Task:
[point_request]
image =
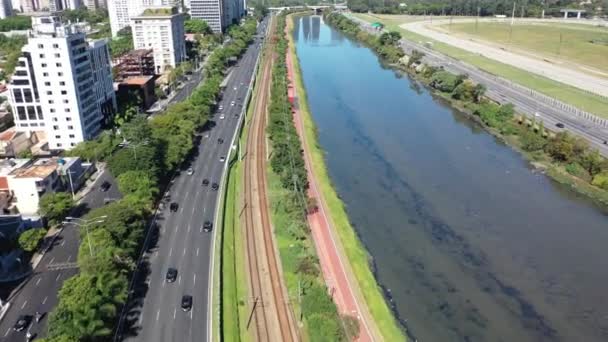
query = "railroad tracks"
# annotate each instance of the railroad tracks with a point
(270, 313)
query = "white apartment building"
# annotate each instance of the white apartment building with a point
(121, 11)
(56, 86)
(162, 30)
(209, 11)
(6, 8)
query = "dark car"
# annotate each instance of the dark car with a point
(205, 182)
(560, 125)
(214, 186)
(171, 274)
(22, 322)
(220, 141)
(173, 207)
(186, 302)
(105, 186)
(207, 226)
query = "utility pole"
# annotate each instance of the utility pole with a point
(477, 20)
(511, 27)
(513, 14)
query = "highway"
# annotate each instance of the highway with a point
(180, 242)
(39, 292)
(523, 101)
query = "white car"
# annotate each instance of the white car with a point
(232, 103)
(222, 117)
(222, 159)
(190, 171)
(220, 107)
(234, 88)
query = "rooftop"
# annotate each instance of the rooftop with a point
(139, 80)
(35, 171)
(8, 165)
(159, 12)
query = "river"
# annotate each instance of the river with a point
(472, 243)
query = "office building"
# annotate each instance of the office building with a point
(162, 30)
(6, 8)
(121, 11)
(60, 84)
(209, 11)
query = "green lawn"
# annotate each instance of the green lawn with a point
(568, 94)
(354, 250)
(581, 44)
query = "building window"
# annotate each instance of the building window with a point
(70, 127)
(43, 65)
(55, 127)
(59, 145)
(48, 92)
(18, 95)
(58, 137)
(51, 101)
(61, 83)
(67, 110)
(55, 119)
(48, 84)
(31, 112)
(45, 74)
(57, 55)
(21, 113)
(58, 64)
(68, 119)
(56, 46)
(40, 46)
(64, 92)
(60, 74)
(66, 101)
(41, 55)
(72, 136)
(53, 110)
(72, 144)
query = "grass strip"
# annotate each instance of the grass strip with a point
(579, 98)
(355, 251)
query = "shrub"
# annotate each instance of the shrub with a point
(30, 239)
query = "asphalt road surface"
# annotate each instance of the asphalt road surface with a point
(524, 102)
(39, 292)
(155, 311)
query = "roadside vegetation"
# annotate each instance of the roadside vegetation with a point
(356, 253)
(567, 159)
(287, 185)
(90, 303)
(568, 94)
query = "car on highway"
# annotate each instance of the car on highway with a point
(207, 226)
(22, 322)
(234, 88)
(220, 107)
(205, 182)
(560, 125)
(222, 117)
(186, 302)
(190, 171)
(105, 186)
(173, 207)
(232, 103)
(171, 275)
(222, 159)
(214, 186)
(220, 140)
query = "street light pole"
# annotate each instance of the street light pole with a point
(85, 224)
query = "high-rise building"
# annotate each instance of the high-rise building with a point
(121, 11)
(60, 85)
(28, 6)
(162, 30)
(6, 8)
(218, 14)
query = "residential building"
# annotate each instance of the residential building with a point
(209, 11)
(162, 30)
(62, 5)
(134, 63)
(121, 11)
(6, 8)
(13, 142)
(101, 67)
(56, 85)
(28, 6)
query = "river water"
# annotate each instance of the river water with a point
(472, 243)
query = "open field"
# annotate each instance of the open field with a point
(563, 92)
(582, 45)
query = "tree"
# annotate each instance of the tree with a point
(55, 206)
(592, 161)
(138, 183)
(478, 92)
(26, 154)
(561, 147)
(137, 130)
(390, 38)
(140, 157)
(31, 238)
(532, 141)
(415, 58)
(197, 26)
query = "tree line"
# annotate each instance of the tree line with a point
(525, 8)
(562, 151)
(90, 302)
(323, 320)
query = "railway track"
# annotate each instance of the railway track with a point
(270, 312)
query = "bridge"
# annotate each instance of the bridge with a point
(317, 8)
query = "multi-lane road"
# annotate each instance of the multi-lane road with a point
(39, 292)
(523, 101)
(155, 314)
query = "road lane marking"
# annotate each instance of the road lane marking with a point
(141, 317)
(189, 227)
(38, 281)
(179, 279)
(53, 258)
(191, 313)
(69, 257)
(184, 253)
(194, 278)
(174, 313)
(157, 314)
(181, 210)
(8, 331)
(201, 229)
(59, 275)
(24, 304)
(44, 300)
(196, 251)
(171, 251)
